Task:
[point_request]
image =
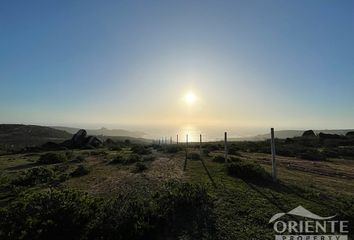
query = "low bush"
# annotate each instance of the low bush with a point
(140, 149)
(34, 176)
(98, 153)
(48, 215)
(140, 166)
(173, 148)
(194, 156)
(179, 210)
(81, 170)
(249, 171)
(119, 159)
(132, 158)
(311, 154)
(80, 159)
(149, 158)
(52, 158)
(219, 158)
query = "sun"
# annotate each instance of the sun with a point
(190, 98)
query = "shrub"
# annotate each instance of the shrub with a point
(132, 158)
(311, 154)
(178, 209)
(51, 158)
(140, 149)
(233, 150)
(219, 158)
(149, 158)
(81, 170)
(115, 148)
(98, 153)
(80, 158)
(248, 171)
(69, 155)
(48, 215)
(139, 167)
(34, 176)
(117, 160)
(194, 156)
(173, 149)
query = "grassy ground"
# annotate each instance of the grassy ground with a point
(242, 209)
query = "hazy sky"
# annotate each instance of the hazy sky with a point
(249, 64)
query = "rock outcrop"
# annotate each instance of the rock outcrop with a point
(309, 133)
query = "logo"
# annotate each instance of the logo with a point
(301, 224)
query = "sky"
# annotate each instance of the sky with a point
(249, 65)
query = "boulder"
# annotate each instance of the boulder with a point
(93, 141)
(79, 138)
(349, 134)
(309, 133)
(329, 136)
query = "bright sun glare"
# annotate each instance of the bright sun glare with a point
(190, 98)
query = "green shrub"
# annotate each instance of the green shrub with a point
(48, 215)
(98, 153)
(219, 158)
(52, 158)
(81, 170)
(131, 158)
(34, 176)
(119, 159)
(149, 158)
(248, 170)
(140, 166)
(177, 210)
(194, 156)
(173, 148)
(69, 155)
(80, 158)
(311, 154)
(140, 149)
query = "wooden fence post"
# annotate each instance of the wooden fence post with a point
(177, 139)
(170, 140)
(200, 144)
(274, 167)
(225, 146)
(185, 161)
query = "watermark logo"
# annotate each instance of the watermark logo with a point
(305, 225)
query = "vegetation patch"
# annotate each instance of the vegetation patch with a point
(129, 159)
(52, 158)
(219, 158)
(140, 167)
(248, 171)
(177, 211)
(34, 176)
(81, 170)
(140, 149)
(194, 156)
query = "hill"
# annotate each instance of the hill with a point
(282, 134)
(15, 136)
(104, 132)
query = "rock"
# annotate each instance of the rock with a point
(329, 136)
(79, 138)
(93, 141)
(309, 133)
(349, 134)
